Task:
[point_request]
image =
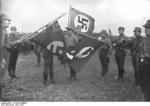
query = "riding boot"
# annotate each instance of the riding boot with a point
(45, 81)
(0, 93)
(72, 74)
(51, 74)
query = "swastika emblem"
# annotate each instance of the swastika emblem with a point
(83, 22)
(56, 46)
(86, 51)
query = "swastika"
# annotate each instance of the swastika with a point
(84, 52)
(82, 22)
(56, 47)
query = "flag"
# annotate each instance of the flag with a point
(84, 50)
(1, 47)
(51, 38)
(37, 32)
(80, 21)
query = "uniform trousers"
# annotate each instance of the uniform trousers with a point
(104, 59)
(144, 77)
(120, 59)
(12, 62)
(135, 62)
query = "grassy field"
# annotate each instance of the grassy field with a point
(89, 86)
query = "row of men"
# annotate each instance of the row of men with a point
(139, 47)
(120, 45)
(10, 53)
(104, 51)
(139, 50)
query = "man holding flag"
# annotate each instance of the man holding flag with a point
(51, 39)
(48, 66)
(88, 44)
(78, 22)
(71, 40)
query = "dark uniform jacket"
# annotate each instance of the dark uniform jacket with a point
(145, 48)
(46, 53)
(119, 44)
(104, 50)
(5, 55)
(136, 45)
(5, 44)
(13, 37)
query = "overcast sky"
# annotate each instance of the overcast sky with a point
(29, 15)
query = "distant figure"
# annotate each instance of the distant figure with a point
(103, 53)
(144, 64)
(37, 50)
(26, 47)
(48, 66)
(120, 52)
(4, 50)
(135, 52)
(14, 53)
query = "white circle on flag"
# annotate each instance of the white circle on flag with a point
(82, 23)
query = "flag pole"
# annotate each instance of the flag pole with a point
(110, 36)
(69, 14)
(1, 34)
(87, 35)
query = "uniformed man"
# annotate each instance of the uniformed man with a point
(5, 47)
(48, 66)
(13, 54)
(120, 52)
(104, 53)
(72, 39)
(144, 64)
(37, 50)
(135, 52)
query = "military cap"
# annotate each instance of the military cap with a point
(5, 17)
(147, 25)
(13, 28)
(121, 28)
(137, 29)
(103, 32)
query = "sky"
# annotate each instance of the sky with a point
(29, 15)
